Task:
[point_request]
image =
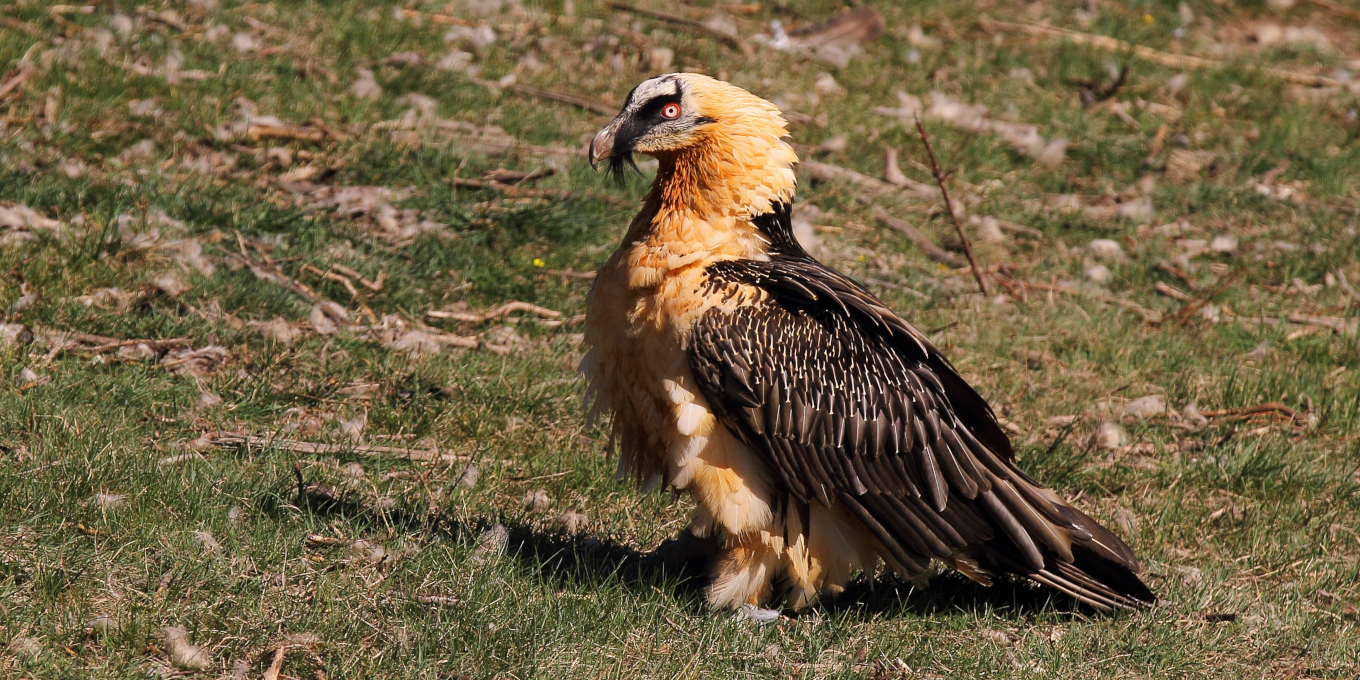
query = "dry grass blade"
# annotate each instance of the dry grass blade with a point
(242, 439)
(949, 206)
(1147, 53)
(687, 23)
(275, 666)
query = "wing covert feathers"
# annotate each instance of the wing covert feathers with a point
(849, 405)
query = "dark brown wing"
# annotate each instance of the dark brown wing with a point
(849, 404)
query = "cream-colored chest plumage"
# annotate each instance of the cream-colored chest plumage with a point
(646, 298)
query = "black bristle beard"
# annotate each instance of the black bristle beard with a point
(617, 169)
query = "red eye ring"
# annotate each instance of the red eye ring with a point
(670, 111)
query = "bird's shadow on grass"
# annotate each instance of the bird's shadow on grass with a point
(679, 566)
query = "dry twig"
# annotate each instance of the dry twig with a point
(949, 207)
(932, 251)
(434, 18)
(1338, 325)
(18, 79)
(1339, 9)
(1172, 292)
(565, 98)
(829, 172)
(285, 131)
(1192, 306)
(270, 272)
(1180, 274)
(1147, 53)
(103, 344)
(561, 194)
(498, 313)
(687, 23)
(1244, 412)
(569, 274)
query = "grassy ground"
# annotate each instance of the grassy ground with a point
(138, 203)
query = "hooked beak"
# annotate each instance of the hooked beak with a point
(602, 146)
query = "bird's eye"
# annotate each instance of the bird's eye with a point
(670, 111)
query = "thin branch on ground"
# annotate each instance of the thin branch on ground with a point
(566, 98)
(949, 206)
(526, 192)
(1338, 9)
(829, 172)
(275, 666)
(699, 27)
(61, 341)
(569, 274)
(922, 241)
(13, 83)
(498, 313)
(1172, 292)
(285, 131)
(432, 17)
(1183, 316)
(269, 271)
(103, 344)
(1243, 412)
(1338, 325)
(516, 177)
(1147, 53)
(1180, 274)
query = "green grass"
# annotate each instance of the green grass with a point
(1251, 534)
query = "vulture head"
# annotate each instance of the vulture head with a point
(670, 114)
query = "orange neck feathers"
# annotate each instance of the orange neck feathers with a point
(707, 193)
(728, 175)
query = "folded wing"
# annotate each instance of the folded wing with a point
(850, 405)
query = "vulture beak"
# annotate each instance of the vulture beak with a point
(602, 146)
